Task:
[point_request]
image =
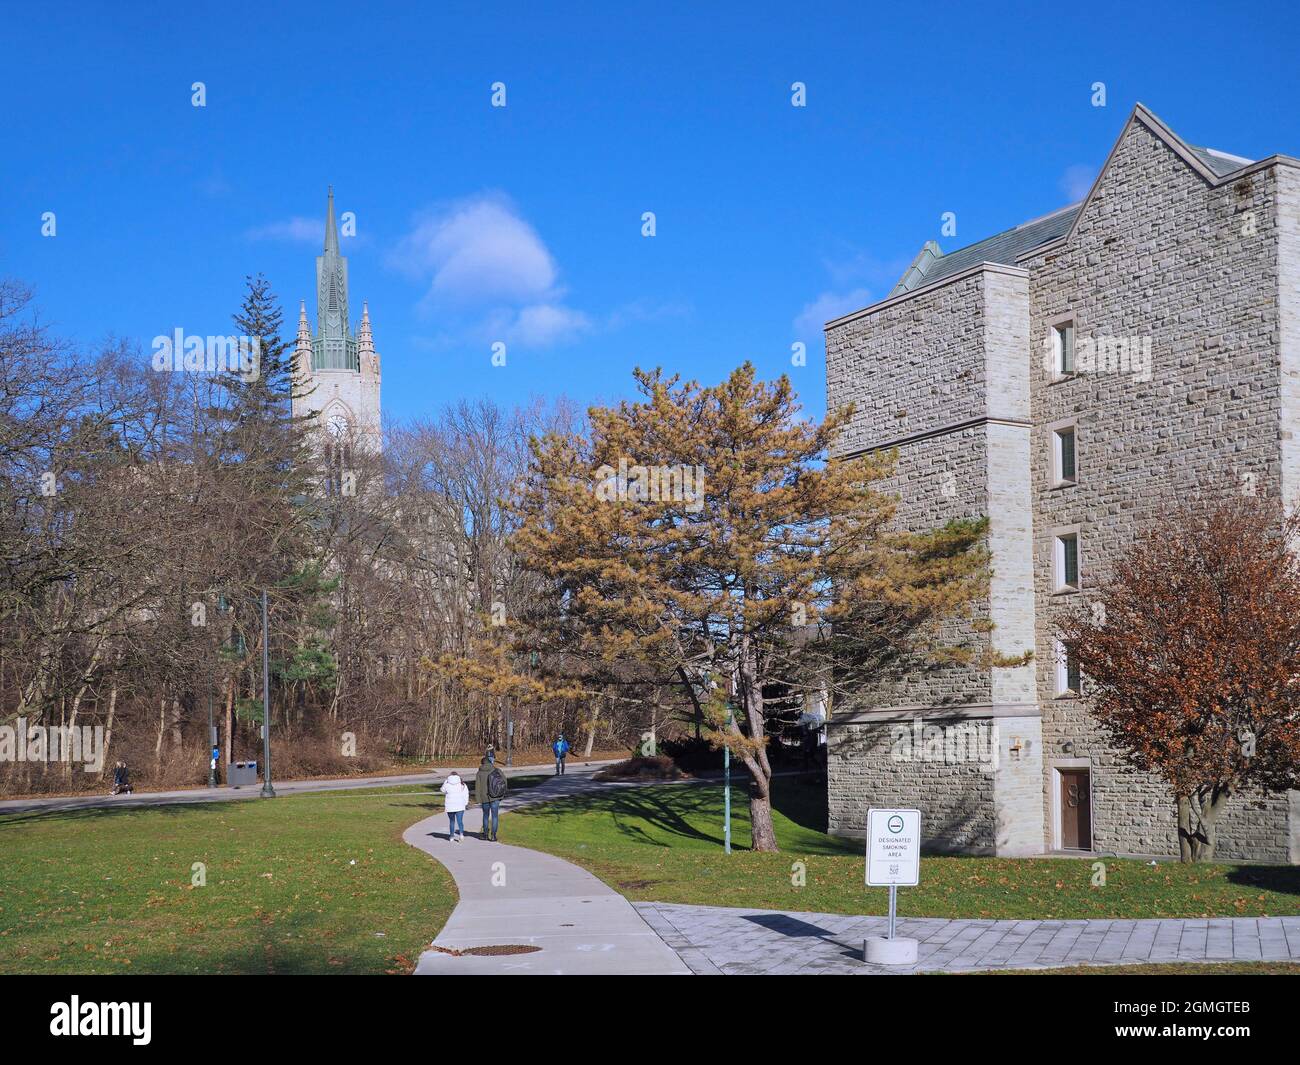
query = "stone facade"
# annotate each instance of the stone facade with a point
(1180, 274)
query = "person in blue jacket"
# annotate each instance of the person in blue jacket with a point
(561, 748)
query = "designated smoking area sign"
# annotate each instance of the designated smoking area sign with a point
(893, 861)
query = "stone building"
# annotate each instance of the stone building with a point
(1068, 378)
(338, 372)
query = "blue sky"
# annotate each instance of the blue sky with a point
(523, 224)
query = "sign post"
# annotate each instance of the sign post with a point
(893, 858)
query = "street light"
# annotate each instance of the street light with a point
(726, 789)
(212, 741)
(268, 792)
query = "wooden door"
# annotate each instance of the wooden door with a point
(1076, 810)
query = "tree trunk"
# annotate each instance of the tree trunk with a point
(1198, 823)
(760, 769)
(760, 818)
(591, 730)
(230, 703)
(176, 724)
(162, 731)
(108, 730)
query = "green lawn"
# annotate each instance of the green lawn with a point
(300, 884)
(109, 891)
(663, 843)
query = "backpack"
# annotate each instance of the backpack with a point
(496, 785)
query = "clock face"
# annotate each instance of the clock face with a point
(337, 426)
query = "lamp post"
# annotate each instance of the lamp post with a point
(212, 741)
(726, 789)
(268, 792)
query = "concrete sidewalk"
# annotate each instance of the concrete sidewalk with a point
(744, 942)
(512, 896)
(253, 791)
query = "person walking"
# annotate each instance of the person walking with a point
(561, 748)
(457, 798)
(490, 788)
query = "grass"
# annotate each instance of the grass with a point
(663, 843)
(322, 882)
(318, 883)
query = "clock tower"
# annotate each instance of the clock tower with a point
(336, 371)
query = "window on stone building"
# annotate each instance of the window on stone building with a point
(1067, 562)
(1063, 347)
(1068, 680)
(1063, 456)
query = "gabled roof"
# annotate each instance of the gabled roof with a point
(1014, 244)
(1005, 247)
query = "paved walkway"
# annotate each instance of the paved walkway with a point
(253, 791)
(715, 939)
(515, 896)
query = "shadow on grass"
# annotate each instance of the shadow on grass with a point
(1284, 879)
(662, 807)
(691, 810)
(49, 815)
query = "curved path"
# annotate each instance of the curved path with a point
(513, 896)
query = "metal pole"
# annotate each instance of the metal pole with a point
(893, 907)
(268, 792)
(212, 762)
(726, 792)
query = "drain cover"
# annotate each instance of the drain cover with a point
(496, 950)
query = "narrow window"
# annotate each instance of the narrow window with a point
(1063, 343)
(1063, 447)
(1067, 672)
(1071, 674)
(1067, 562)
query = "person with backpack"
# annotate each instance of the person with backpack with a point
(490, 788)
(561, 748)
(457, 793)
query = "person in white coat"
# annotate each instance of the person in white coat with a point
(457, 798)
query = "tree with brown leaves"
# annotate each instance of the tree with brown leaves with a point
(1191, 654)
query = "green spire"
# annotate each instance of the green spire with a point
(331, 230)
(333, 346)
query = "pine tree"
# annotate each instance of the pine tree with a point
(693, 540)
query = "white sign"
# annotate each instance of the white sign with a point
(893, 847)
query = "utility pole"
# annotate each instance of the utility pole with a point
(726, 789)
(212, 742)
(268, 792)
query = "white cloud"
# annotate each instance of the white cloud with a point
(304, 230)
(489, 274)
(809, 322)
(1077, 181)
(542, 324)
(478, 251)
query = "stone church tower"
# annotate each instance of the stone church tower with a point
(337, 373)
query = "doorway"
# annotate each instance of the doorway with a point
(1074, 802)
